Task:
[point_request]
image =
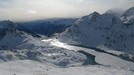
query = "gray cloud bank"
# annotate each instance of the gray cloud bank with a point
(23, 10)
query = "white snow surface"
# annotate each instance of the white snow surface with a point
(28, 67)
(101, 58)
(111, 65)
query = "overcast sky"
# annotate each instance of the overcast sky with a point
(24, 10)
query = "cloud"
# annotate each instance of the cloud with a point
(56, 8)
(32, 12)
(6, 3)
(86, 2)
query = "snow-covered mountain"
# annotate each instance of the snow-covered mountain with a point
(128, 20)
(116, 12)
(17, 44)
(101, 30)
(128, 16)
(92, 30)
(15, 36)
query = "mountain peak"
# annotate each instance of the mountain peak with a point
(95, 13)
(129, 12)
(91, 17)
(128, 16)
(15, 35)
(6, 24)
(115, 11)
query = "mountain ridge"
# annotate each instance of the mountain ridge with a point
(104, 30)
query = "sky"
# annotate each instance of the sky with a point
(26, 10)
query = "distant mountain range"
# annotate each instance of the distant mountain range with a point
(50, 26)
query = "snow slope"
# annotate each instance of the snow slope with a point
(28, 67)
(14, 36)
(100, 57)
(54, 55)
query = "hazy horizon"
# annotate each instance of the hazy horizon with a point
(26, 10)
